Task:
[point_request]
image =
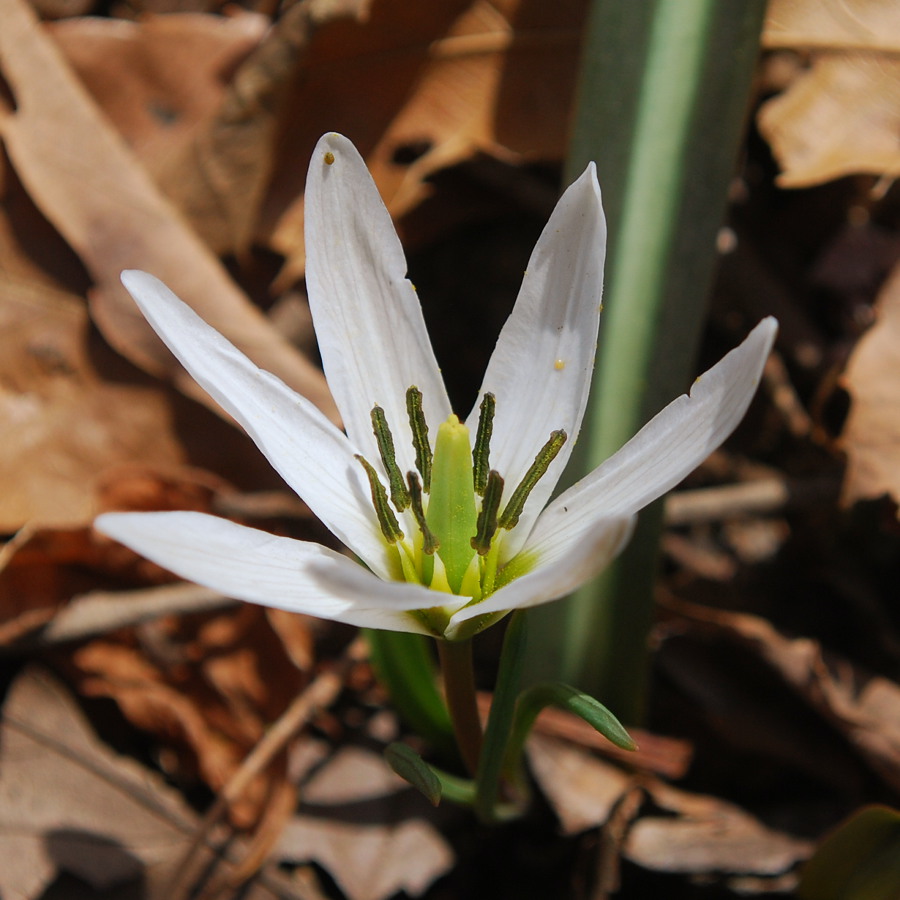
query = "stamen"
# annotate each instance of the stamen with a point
(419, 430)
(430, 542)
(487, 518)
(481, 450)
(385, 440)
(545, 456)
(387, 521)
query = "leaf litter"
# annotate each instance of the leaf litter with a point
(198, 154)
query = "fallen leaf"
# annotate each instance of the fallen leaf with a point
(42, 568)
(871, 435)
(856, 24)
(864, 708)
(442, 83)
(220, 176)
(840, 117)
(206, 687)
(368, 861)
(87, 183)
(161, 79)
(697, 835)
(582, 789)
(64, 424)
(69, 803)
(705, 835)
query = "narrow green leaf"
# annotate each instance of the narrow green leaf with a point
(431, 781)
(860, 860)
(412, 768)
(564, 696)
(661, 109)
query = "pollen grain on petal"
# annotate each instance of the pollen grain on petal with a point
(559, 365)
(329, 158)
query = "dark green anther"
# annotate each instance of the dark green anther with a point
(387, 521)
(430, 542)
(419, 430)
(481, 451)
(487, 518)
(399, 494)
(546, 455)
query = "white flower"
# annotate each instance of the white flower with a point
(378, 360)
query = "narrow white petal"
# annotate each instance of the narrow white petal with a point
(251, 565)
(368, 320)
(561, 566)
(312, 456)
(666, 449)
(540, 371)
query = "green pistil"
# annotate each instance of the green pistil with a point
(387, 521)
(482, 449)
(429, 542)
(451, 509)
(510, 517)
(419, 429)
(487, 518)
(399, 494)
(457, 549)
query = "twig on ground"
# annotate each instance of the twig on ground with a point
(785, 398)
(100, 612)
(320, 694)
(765, 495)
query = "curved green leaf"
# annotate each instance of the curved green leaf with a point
(433, 782)
(858, 861)
(564, 696)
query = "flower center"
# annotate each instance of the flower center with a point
(443, 520)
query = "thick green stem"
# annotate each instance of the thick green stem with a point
(405, 665)
(462, 700)
(664, 91)
(498, 767)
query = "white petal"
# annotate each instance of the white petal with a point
(251, 565)
(666, 449)
(368, 320)
(561, 567)
(540, 371)
(312, 456)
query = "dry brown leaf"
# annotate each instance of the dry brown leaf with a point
(871, 435)
(43, 568)
(699, 835)
(86, 182)
(206, 687)
(368, 861)
(219, 178)
(162, 79)
(856, 24)
(705, 835)
(424, 87)
(840, 117)
(864, 708)
(67, 803)
(64, 424)
(582, 789)
(37, 577)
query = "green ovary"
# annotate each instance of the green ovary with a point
(451, 513)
